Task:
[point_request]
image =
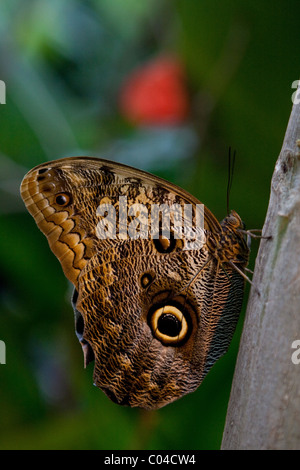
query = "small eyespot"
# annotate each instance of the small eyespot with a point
(170, 325)
(165, 245)
(63, 199)
(146, 280)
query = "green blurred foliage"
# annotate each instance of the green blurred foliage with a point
(63, 63)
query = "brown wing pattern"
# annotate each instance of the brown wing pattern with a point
(154, 316)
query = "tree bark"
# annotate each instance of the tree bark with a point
(264, 405)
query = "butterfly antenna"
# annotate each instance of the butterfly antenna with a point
(231, 163)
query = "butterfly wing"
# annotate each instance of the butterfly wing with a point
(148, 309)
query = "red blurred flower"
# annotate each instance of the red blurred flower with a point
(156, 93)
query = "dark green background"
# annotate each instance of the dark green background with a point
(63, 63)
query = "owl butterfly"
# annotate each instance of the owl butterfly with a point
(154, 312)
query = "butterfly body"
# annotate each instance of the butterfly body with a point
(154, 314)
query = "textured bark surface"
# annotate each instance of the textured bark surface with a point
(264, 406)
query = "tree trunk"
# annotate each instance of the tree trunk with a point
(264, 406)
